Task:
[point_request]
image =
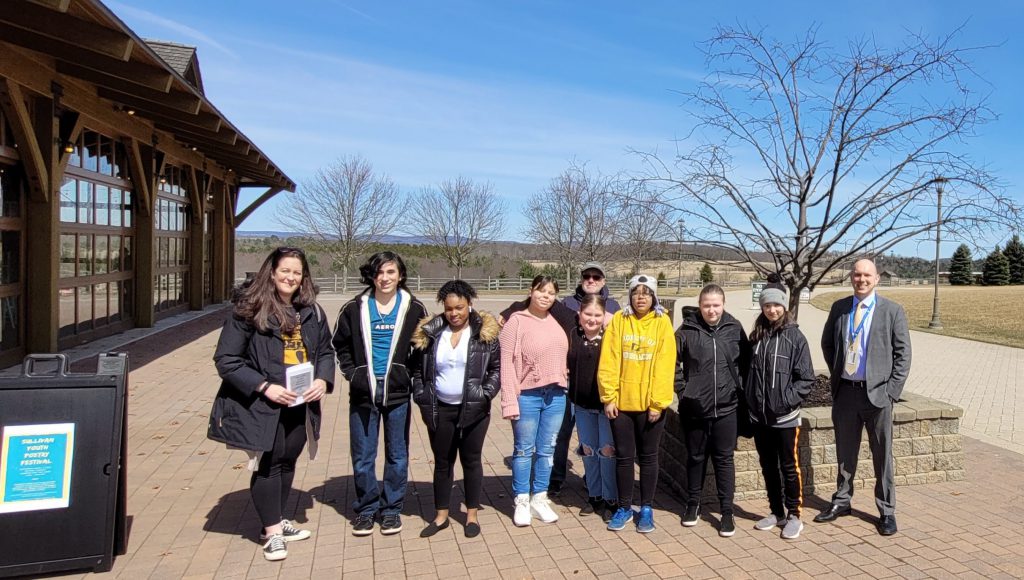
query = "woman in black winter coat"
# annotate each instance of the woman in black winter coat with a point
(276, 324)
(456, 373)
(781, 376)
(712, 352)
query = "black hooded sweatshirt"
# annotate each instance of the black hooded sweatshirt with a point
(712, 365)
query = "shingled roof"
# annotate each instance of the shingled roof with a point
(181, 58)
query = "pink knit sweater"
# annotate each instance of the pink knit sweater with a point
(533, 354)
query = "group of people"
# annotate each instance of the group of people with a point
(581, 362)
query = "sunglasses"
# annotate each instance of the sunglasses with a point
(594, 277)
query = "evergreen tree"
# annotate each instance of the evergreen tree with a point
(1014, 253)
(997, 269)
(706, 275)
(960, 267)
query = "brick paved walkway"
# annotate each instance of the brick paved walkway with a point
(191, 516)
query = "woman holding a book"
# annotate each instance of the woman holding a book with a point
(276, 342)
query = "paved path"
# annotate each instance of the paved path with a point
(191, 515)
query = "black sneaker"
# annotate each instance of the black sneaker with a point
(363, 526)
(591, 506)
(692, 516)
(293, 534)
(728, 527)
(390, 524)
(275, 549)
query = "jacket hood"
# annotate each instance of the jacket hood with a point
(482, 324)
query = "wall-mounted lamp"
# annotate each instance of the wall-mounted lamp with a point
(194, 148)
(209, 197)
(124, 109)
(163, 179)
(65, 146)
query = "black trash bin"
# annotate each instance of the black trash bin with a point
(63, 443)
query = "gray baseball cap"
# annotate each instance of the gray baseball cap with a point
(592, 266)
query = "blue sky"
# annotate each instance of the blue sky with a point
(511, 92)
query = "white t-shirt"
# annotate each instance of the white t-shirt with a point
(451, 367)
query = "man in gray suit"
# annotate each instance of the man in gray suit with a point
(866, 343)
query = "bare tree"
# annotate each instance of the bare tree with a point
(346, 208)
(458, 217)
(575, 215)
(644, 223)
(817, 156)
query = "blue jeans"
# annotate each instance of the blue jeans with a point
(540, 416)
(597, 449)
(364, 425)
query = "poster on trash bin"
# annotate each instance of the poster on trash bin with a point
(35, 466)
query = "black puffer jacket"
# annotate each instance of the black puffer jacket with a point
(712, 362)
(781, 375)
(245, 358)
(483, 368)
(351, 341)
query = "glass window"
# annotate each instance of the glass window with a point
(115, 206)
(128, 261)
(10, 256)
(85, 207)
(84, 308)
(10, 311)
(90, 150)
(114, 304)
(106, 155)
(75, 157)
(10, 192)
(127, 204)
(67, 255)
(84, 255)
(102, 198)
(119, 160)
(100, 254)
(99, 293)
(115, 254)
(128, 297)
(68, 197)
(66, 298)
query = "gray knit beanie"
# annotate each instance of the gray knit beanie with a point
(774, 296)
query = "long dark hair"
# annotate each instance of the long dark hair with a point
(542, 280)
(764, 327)
(257, 301)
(368, 271)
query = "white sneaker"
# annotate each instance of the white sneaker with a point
(541, 507)
(793, 528)
(768, 522)
(522, 515)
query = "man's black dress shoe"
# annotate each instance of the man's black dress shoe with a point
(887, 525)
(834, 511)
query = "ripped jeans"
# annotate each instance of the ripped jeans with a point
(540, 417)
(597, 449)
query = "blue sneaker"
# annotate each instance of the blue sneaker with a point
(645, 523)
(620, 519)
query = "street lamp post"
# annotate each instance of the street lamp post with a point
(935, 322)
(679, 276)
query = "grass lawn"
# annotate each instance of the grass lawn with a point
(989, 314)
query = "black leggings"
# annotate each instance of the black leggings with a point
(272, 482)
(635, 437)
(776, 448)
(715, 437)
(447, 441)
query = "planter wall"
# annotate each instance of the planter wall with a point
(926, 448)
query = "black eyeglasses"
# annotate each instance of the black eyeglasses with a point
(594, 277)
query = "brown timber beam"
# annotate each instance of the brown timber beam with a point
(61, 26)
(176, 101)
(136, 166)
(58, 5)
(256, 204)
(12, 100)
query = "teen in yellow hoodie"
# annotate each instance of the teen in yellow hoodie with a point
(635, 379)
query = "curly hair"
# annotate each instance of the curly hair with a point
(257, 301)
(459, 288)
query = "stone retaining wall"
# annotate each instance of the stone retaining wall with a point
(926, 449)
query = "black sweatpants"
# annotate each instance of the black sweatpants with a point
(447, 441)
(636, 438)
(777, 451)
(715, 437)
(272, 482)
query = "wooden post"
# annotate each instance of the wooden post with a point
(219, 242)
(145, 244)
(42, 222)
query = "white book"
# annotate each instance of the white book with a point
(298, 379)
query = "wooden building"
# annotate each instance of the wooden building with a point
(119, 179)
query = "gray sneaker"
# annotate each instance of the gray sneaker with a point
(793, 528)
(769, 522)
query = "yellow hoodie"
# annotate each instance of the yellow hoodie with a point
(638, 362)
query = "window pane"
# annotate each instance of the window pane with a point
(115, 254)
(128, 262)
(156, 291)
(115, 206)
(99, 295)
(67, 255)
(10, 192)
(75, 157)
(127, 209)
(85, 207)
(106, 155)
(10, 257)
(68, 197)
(118, 160)
(114, 314)
(100, 254)
(84, 255)
(10, 311)
(90, 159)
(66, 297)
(84, 308)
(102, 197)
